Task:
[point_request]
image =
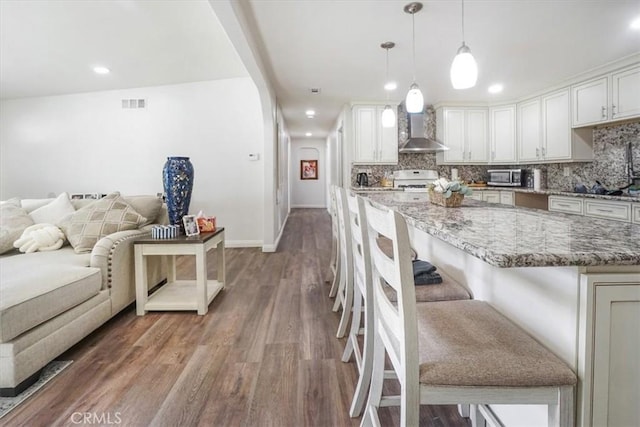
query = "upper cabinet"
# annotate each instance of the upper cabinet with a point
(615, 96)
(545, 134)
(373, 143)
(502, 131)
(465, 132)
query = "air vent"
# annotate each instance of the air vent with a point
(134, 103)
(315, 90)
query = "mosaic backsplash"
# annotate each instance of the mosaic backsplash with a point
(609, 165)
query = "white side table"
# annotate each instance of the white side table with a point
(179, 294)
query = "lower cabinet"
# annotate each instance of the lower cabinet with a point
(605, 209)
(609, 350)
(494, 196)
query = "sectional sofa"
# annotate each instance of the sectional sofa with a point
(51, 300)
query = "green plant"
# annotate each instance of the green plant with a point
(447, 188)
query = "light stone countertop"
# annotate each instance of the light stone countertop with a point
(508, 236)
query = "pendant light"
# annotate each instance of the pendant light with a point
(464, 70)
(388, 115)
(414, 101)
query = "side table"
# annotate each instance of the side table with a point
(179, 294)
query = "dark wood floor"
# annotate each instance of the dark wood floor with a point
(264, 355)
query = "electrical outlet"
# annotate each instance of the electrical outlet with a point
(567, 171)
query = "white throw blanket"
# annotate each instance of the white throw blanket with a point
(40, 237)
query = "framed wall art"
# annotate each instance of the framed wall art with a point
(308, 169)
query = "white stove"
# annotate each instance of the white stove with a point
(414, 180)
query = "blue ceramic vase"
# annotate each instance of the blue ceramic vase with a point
(177, 178)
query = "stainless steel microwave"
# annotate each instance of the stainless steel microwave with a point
(506, 177)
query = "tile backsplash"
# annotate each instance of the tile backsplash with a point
(609, 165)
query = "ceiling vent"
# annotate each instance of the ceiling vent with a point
(315, 90)
(134, 103)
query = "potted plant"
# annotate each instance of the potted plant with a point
(448, 193)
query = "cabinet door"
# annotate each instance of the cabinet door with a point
(590, 102)
(388, 143)
(365, 134)
(556, 126)
(626, 94)
(454, 135)
(608, 209)
(571, 205)
(506, 198)
(616, 355)
(529, 131)
(476, 136)
(503, 134)
(491, 196)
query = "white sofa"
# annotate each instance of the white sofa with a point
(49, 301)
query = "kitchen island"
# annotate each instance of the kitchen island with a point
(572, 282)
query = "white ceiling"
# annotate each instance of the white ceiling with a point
(527, 45)
(49, 47)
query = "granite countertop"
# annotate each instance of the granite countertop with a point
(555, 192)
(508, 236)
(374, 188)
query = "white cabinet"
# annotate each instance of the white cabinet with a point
(608, 350)
(545, 133)
(598, 208)
(590, 102)
(571, 205)
(506, 198)
(491, 196)
(615, 96)
(529, 134)
(608, 209)
(476, 195)
(502, 128)
(625, 94)
(556, 126)
(465, 132)
(373, 143)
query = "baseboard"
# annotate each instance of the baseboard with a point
(309, 207)
(274, 247)
(242, 243)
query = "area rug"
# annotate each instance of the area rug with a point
(7, 404)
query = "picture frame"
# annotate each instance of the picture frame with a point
(308, 169)
(190, 225)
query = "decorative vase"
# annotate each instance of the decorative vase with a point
(177, 178)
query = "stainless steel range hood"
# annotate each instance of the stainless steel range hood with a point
(417, 142)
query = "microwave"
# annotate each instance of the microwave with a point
(506, 177)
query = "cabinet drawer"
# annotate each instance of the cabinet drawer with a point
(565, 204)
(635, 215)
(476, 195)
(619, 211)
(491, 196)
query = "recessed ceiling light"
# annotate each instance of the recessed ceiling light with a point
(390, 86)
(308, 134)
(635, 24)
(101, 70)
(495, 88)
(310, 113)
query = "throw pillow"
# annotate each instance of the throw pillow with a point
(40, 237)
(106, 216)
(13, 221)
(147, 206)
(13, 201)
(53, 212)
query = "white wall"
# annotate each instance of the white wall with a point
(308, 193)
(88, 143)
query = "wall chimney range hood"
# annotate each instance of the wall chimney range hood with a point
(417, 142)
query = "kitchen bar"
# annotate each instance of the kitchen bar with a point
(544, 270)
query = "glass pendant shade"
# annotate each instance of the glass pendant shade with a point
(414, 101)
(388, 117)
(464, 70)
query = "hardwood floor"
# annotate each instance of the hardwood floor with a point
(264, 355)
